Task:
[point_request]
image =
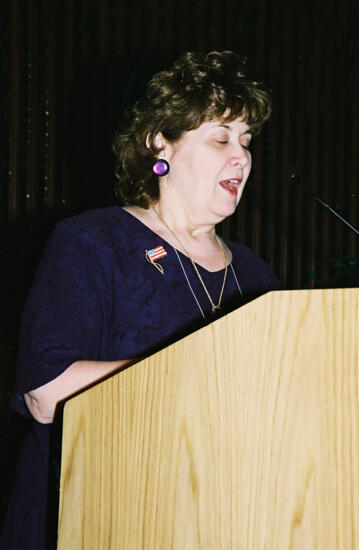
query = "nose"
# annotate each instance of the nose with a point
(240, 159)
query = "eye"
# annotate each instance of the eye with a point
(246, 141)
(245, 144)
(222, 142)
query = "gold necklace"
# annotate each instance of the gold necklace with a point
(214, 306)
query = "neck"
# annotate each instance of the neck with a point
(182, 221)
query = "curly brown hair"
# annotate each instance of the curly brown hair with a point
(196, 89)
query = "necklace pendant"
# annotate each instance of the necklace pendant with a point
(215, 309)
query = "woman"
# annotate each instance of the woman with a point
(120, 283)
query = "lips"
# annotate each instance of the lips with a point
(231, 185)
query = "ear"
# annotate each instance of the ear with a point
(165, 147)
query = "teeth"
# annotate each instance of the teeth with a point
(231, 184)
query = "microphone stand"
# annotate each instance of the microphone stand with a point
(290, 174)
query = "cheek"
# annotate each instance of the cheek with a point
(249, 165)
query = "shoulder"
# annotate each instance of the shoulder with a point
(106, 236)
(243, 253)
(98, 228)
(255, 272)
(81, 242)
(93, 222)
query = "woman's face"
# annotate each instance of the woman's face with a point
(209, 169)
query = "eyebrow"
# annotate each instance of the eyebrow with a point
(249, 131)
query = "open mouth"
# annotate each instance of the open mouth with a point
(231, 185)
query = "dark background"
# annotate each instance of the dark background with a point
(64, 68)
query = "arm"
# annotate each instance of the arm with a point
(66, 319)
(42, 401)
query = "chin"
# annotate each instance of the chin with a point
(226, 212)
(227, 207)
(230, 208)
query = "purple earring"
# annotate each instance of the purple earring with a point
(161, 167)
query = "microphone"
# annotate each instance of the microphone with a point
(290, 174)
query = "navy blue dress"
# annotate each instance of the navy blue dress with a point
(96, 297)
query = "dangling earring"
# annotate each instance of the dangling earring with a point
(161, 167)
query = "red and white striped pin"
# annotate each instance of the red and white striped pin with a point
(156, 254)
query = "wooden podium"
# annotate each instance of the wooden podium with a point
(242, 436)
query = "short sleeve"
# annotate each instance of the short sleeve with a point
(65, 314)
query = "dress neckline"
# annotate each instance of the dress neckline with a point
(174, 247)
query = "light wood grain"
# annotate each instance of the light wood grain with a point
(243, 435)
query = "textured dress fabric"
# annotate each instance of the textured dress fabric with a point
(96, 297)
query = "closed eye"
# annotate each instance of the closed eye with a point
(222, 142)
